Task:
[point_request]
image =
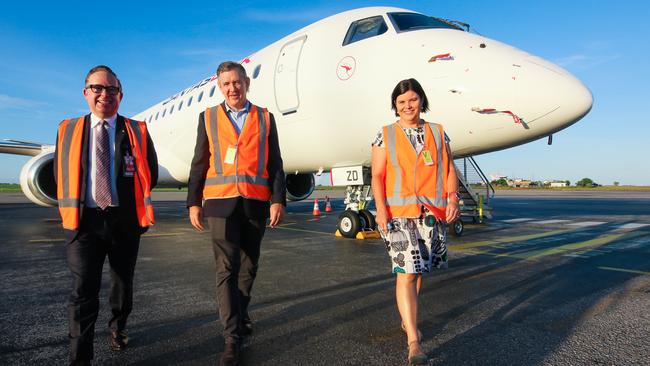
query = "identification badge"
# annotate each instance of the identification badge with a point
(129, 165)
(428, 160)
(230, 155)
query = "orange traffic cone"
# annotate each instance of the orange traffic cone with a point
(316, 211)
(328, 205)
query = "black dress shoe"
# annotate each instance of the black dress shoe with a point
(246, 327)
(118, 340)
(230, 355)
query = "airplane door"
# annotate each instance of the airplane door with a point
(286, 76)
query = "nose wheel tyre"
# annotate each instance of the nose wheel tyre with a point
(457, 228)
(349, 224)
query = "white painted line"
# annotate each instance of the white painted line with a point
(587, 223)
(632, 225)
(523, 219)
(550, 221)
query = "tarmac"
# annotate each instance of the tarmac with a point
(552, 279)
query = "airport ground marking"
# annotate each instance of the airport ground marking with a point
(632, 225)
(304, 230)
(45, 240)
(587, 246)
(553, 221)
(514, 221)
(512, 239)
(586, 223)
(625, 270)
(596, 242)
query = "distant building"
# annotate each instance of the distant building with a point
(558, 184)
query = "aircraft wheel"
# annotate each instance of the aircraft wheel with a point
(349, 224)
(368, 220)
(457, 228)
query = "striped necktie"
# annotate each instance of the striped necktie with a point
(102, 167)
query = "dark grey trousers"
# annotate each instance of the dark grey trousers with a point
(236, 243)
(100, 236)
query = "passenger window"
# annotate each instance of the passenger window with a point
(200, 97)
(164, 111)
(171, 110)
(156, 116)
(180, 105)
(365, 28)
(212, 90)
(256, 71)
(189, 101)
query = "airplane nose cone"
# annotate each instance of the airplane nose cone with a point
(552, 96)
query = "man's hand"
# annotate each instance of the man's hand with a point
(453, 212)
(277, 213)
(196, 217)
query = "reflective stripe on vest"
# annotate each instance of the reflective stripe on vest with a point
(406, 194)
(247, 175)
(70, 140)
(69, 146)
(137, 132)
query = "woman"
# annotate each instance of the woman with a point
(415, 187)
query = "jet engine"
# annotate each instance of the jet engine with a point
(37, 179)
(300, 186)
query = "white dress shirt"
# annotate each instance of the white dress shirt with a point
(94, 129)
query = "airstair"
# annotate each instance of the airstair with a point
(475, 192)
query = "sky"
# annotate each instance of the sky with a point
(159, 48)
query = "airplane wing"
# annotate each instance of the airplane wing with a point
(8, 146)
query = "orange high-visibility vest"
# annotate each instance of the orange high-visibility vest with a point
(238, 161)
(410, 183)
(69, 177)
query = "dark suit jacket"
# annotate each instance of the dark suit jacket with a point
(125, 192)
(253, 209)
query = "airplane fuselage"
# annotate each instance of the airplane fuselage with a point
(330, 98)
(329, 85)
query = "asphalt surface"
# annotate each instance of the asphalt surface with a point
(551, 279)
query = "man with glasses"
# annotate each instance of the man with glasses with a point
(105, 166)
(236, 182)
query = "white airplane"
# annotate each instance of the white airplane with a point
(329, 86)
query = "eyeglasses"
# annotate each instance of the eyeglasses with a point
(98, 89)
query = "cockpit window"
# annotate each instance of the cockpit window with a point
(365, 28)
(404, 22)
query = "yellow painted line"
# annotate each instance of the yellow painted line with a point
(625, 270)
(45, 240)
(599, 241)
(303, 230)
(507, 240)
